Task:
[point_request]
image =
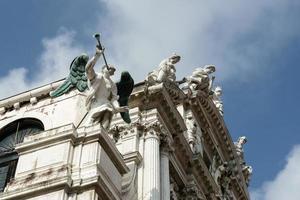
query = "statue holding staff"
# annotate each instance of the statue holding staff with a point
(103, 98)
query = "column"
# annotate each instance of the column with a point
(151, 182)
(165, 174)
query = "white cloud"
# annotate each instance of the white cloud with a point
(52, 64)
(286, 184)
(14, 81)
(235, 35)
(57, 56)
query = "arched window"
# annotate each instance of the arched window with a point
(11, 135)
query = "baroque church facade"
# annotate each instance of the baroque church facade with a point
(175, 147)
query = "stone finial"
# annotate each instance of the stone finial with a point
(165, 72)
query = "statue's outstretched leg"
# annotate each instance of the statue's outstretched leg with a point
(106, 119)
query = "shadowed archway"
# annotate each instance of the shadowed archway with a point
(11, 135)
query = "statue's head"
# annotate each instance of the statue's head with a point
(218, 91)
(242, 140)
(209, 69)
(174, 58)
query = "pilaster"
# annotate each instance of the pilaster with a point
(151, 181)
(166, 148)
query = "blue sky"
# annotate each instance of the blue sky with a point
(254, 45)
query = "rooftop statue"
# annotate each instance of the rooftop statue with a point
(191, 132)
(223, 176)
(247, 172)
(165, 72)
(200, 78)
(76, 79)
(239, 148)
(103, 95)
(216, 97)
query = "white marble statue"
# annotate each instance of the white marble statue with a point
(102, 99)
(247, 172)
(218, 172)
(239, 148)
(223, 176)
(191, 132)
(198, 142)
(200, 78)
(165, 72)
(216, 97)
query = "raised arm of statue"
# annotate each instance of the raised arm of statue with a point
(89, 68)
(211, 82)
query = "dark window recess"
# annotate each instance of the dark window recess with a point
(7, 171)
(11, 135)
(206, 160)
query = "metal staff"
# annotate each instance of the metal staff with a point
(97, 36)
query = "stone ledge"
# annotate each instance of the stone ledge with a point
(133, 156)
(45, 138)
(60, 182)
(106, 143)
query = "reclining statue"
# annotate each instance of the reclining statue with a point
(165, 72)
(200, 78)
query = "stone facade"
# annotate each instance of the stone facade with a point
(177, 147)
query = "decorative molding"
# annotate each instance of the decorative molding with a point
(135, 157)
(25, 97)
(206, 112)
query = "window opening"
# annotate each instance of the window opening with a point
(11, 135)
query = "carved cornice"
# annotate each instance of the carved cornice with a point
(175, 92)
(206, 112)
(28, 96)
(163, 97)
(204, 177)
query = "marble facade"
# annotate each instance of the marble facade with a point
(177, 147)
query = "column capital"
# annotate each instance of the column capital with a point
(153, 129)
(166, 144)
(118, 131)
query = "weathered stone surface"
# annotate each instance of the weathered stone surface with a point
(177, 145)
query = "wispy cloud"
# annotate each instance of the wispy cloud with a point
(52, 64)
(239, 37)
(286, 183)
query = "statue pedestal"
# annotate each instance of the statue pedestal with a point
(66, 160)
